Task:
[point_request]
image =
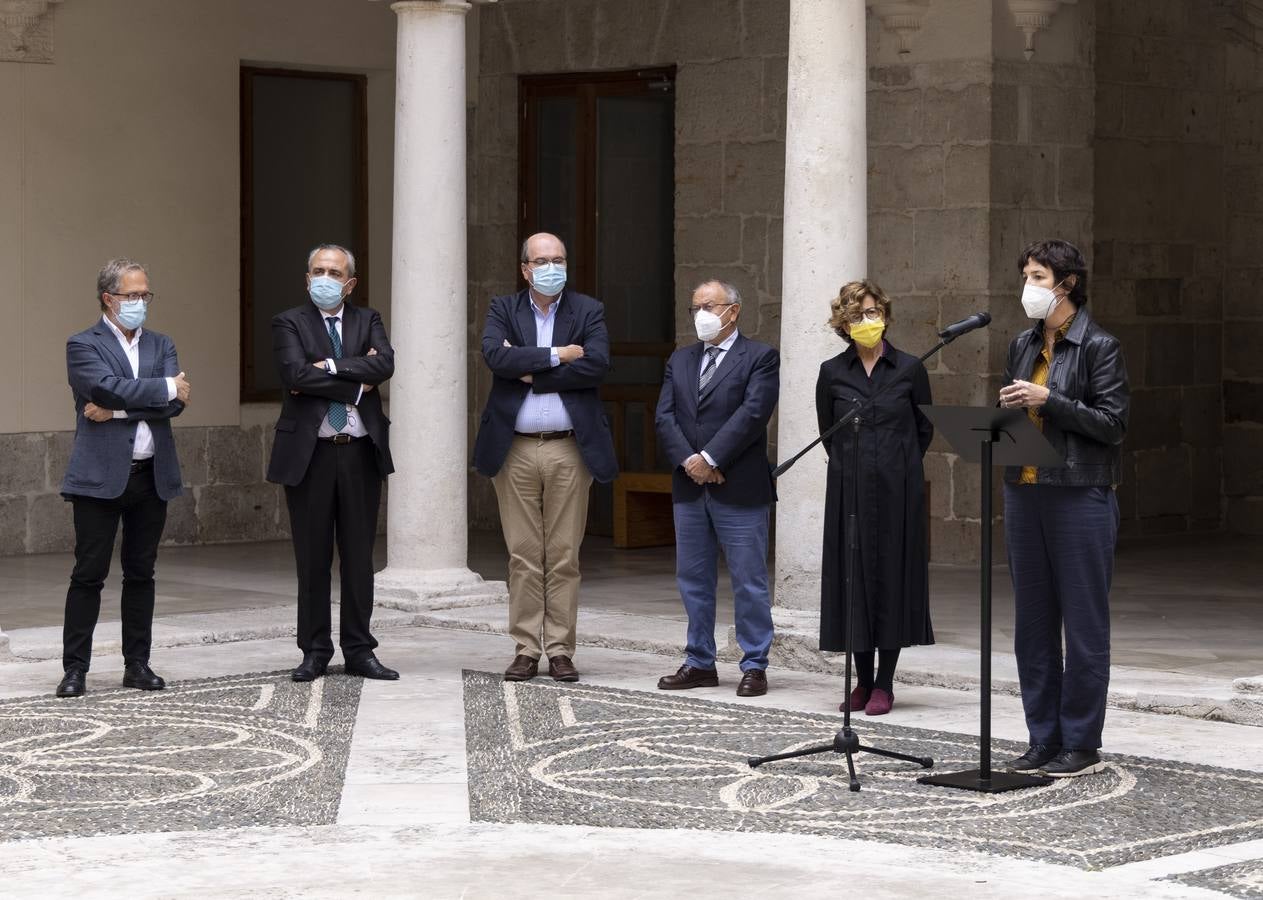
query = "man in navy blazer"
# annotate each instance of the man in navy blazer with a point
(542, 439)
(717, 397)
(127, 386)
(332, 454)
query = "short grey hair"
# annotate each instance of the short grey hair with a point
(731, 293)
(110, 278)
(524, 254)
(350, 257)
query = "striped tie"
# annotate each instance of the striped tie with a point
(337, 411)
(708, 370)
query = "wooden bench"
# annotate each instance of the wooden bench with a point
(642, 510)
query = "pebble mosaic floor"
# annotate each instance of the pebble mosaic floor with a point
(575, 754)
(214, 753)
(1237, 880)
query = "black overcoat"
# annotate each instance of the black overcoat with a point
(892, 591)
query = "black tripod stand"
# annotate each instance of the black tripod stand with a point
(847, 741)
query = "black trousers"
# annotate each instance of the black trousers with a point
(337, 500)
(143, 515)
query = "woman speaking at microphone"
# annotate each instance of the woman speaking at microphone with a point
(1061, 525)
(891, 581)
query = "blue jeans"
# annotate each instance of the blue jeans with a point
(702, 526)
(1061, 557)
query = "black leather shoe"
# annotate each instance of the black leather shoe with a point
(139, 675)
(1033, 759)
(523, 668)
(311, 668)
(753, 683)
(73, 683)
(688, 677)
(369, 667)
(1072, 763)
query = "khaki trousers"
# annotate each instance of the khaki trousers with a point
(542, 490)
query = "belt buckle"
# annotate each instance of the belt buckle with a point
(342, 438)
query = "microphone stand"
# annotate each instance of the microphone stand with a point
(846, 741)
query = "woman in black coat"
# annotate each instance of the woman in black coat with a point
(891, 586)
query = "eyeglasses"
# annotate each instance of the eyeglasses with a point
(543, 261)
(709, 307)
(872, 315)
(148, 297)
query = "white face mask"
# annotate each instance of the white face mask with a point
(1038, 301)
(708, 325)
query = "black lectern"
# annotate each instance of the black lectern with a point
(990, 437)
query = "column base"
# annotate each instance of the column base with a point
(5, 652)
(414, 590)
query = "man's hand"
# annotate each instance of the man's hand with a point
(569, 353)
(702, 472)
(528, 378)
(96, 413)
(182, 388)
(366, 388)
(372, 351)
(323, 365)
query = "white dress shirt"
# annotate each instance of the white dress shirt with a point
(724, 346)
(544, 412)
(354, 424)
(142, 448)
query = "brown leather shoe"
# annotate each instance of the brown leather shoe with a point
(688, 677)
(562, 669)
(753, 683)
(523, 668)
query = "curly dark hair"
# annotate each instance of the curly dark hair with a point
(1064, 259)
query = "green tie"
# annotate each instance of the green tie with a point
(337, 411)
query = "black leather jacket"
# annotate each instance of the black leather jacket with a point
(1085, 416)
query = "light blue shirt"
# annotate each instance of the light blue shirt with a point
(544, 412)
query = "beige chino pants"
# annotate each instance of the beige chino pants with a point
(542, 490)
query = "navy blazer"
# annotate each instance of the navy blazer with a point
(300, 338)
(98, 370)
(580, 320)
(728, 421)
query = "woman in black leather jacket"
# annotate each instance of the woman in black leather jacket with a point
(1061, 525)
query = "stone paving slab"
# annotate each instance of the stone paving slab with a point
(207, 754)
(584, 755)
(1244, 879)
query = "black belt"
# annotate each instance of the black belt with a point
(342, 438)
(141, 465)
(545, 435)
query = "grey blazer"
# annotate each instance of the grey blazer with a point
(100, 462)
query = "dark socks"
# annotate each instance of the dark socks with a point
(864, 668)
(889, 658)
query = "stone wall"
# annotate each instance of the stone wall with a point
(1179, 115)
(225, 500)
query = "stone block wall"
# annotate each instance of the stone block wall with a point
(225, 499)
(1179, 220)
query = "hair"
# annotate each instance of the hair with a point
(850, 300)
(525, 256)
(731, 294)
(1064, 260)
(350, 257)
(110, 278)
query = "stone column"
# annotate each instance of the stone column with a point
(826, 245)
(4, 646)
(427, 520)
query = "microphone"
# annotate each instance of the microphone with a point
(964, 326)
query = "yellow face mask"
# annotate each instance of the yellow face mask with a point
(867, 334)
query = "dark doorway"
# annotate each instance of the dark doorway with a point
(598, 169)
(303, 183)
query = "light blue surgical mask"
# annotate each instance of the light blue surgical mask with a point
(549, 279)
(325, 291)
(131, 313)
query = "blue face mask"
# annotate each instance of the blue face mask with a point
(131, 313)
(325, 292)
(549, 279)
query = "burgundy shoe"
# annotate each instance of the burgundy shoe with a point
(879, 702)
(859, 697)
(688, 677)
(753, 683)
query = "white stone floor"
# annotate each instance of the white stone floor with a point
(404, 830)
